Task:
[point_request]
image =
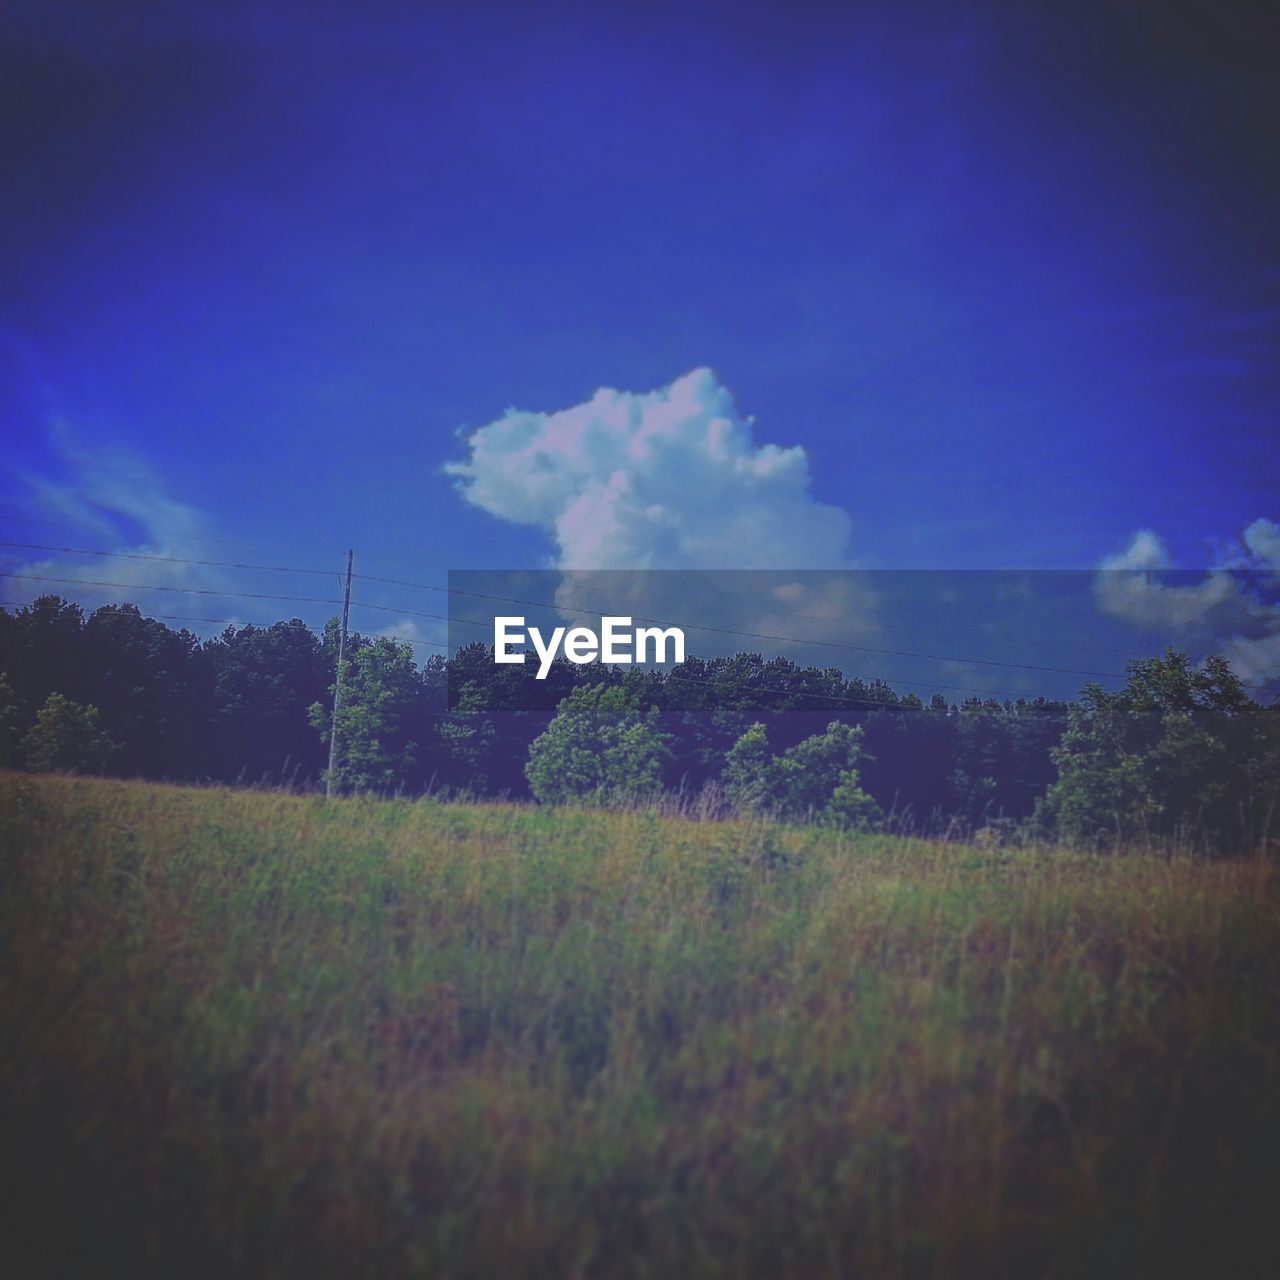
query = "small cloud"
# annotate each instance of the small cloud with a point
(408, 631)
(1256, 659)
(116, 497)
(1262, 538)
(839, 608)
(1230, 610)
(1128, 586)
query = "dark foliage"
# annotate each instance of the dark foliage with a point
(251, 705)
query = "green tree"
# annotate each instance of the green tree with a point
(265, 681)
(66, 739)
(748, 769)
(603, 742)
(381, 696)
(153, 688)
(10, 720)
(817, 778)
(467, 743)
(42, 651)
(1177, 751)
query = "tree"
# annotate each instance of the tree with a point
(154, 689)
(42, 651)
(815, 778)
(66, 739)
(10, 719)
(603, 742)
(748, 769)
(381, 694)
(1177, 751)
(265, 681)
(469, 748)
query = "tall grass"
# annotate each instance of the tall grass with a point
(254, 1034)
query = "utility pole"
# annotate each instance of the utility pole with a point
(337, 682)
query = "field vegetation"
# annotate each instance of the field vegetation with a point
(264, 1034)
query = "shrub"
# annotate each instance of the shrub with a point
(816, 778)
(66, 739)
(602, 742)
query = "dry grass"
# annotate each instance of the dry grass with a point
(268, 1035)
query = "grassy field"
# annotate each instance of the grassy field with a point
(253, 1034)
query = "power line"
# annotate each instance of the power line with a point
(485, 625)
(138, 555)
(472, 622)
(433, 644)
(717, 683)
(240, 622)
(757, 635)
(781, 639)
(825, 644)
(439, 617)
(684, 600)
(862, 702)
(225, 594)
(422, 586)
(415, 613)
(393, 553)
(191, 591)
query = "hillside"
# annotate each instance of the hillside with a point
(266, 1034)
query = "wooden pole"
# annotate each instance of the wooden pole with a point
(337, 682)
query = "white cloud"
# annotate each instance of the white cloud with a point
(1262, 538)
(1127, 587)
(1255, 659)
(1230, 607)
(668, 479)
(425, 640)
(674, 479)
(115, 496)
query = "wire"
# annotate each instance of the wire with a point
(239, 622)
(862, 702)
(395, 554)
(415, 613)
(986, 693)
(422, 586)
(190, 591)
(138, 555)
(229, 595)
(811, 617)
(758, 635)
(750, 635)
(485, 625)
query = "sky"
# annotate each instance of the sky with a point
(625, 286)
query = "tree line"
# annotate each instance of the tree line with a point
(1178, 750)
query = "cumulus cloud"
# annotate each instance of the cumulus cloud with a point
(673, 480)
(1231, 609)
(666, 479)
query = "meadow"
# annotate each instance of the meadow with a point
(268, 1035)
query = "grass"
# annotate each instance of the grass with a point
(262, 1034)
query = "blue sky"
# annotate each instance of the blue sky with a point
(1007, 275)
